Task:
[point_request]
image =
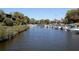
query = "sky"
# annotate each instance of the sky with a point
(40, 13)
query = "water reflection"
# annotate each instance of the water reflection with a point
(40, 38)
(68, 40)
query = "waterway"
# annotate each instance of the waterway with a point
(39, 38)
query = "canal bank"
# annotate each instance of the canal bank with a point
(9, 32)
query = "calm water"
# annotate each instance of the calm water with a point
(39, 38)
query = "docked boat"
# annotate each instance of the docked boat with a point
(74, 27)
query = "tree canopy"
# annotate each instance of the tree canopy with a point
(72, 16)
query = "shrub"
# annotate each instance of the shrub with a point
(8, 22)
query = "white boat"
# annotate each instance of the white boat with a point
(74, 29)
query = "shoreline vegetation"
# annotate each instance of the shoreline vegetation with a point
(13, 23)
(7, 32)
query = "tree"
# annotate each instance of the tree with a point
(65, 21)
(46, 21)
(26, 19)
(42, 21)
(32, 21)
(20, 18)
(72, 16)
(37, 22)
(17, 14)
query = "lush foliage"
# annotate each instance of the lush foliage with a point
(15, 18)
(72, 16)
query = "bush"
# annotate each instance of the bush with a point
(8, 22)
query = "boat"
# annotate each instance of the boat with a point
(74, 27)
